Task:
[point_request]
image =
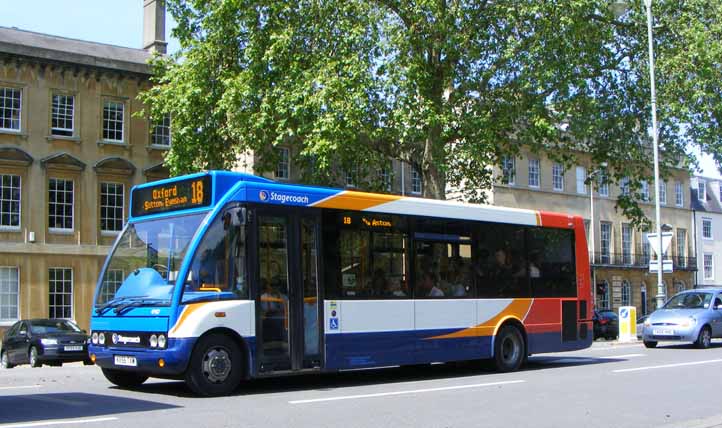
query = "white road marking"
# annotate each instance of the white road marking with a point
(57, 422)
(667, 366)
(612, 357)
(20, 387)
(412, 391)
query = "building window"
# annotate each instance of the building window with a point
(701, 190)
(603, 185)
(508, 170)
(663, 192)
(626, 244)
(708, 266)
(161, 132)
(60, 209)
(603, 295)
(624, 186)
(62, 115)
(534, 172)
(681, 247)
(707, 228)
(111, 284)
(645, 191)
(679, 286)
(112, 196)
(61, 293)
(605, 230)
(10, 108)
(9, 201)
(558, 177)
(626, 293)
(416, 182)
(385, 179)
(581, 179)
(9, 293)
(678, 193)
(283, 166)
(113, 113)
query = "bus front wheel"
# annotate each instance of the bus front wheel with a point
(509, 349)
(124, 379)
(215, 367)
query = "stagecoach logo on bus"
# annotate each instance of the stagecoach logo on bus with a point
(117, 338)
(282, 198)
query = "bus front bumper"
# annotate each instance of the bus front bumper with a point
(168, 362)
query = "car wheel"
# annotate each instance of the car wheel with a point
(4, 361)
(124, 379)
(509, 349)
(650, 344)
(704, 339)
(33, 357)
(215, 367)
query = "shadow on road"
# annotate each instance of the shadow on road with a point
(332, 381)
(42, 407)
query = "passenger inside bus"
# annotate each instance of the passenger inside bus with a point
(427, 286)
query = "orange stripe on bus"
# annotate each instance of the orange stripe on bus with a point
(350, 200)
(517, 309)
(186, 313)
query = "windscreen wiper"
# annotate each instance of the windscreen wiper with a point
(136, 303)
(113, 303)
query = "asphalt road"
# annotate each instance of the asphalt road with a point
(604, 386)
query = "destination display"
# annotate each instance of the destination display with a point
(179, 195)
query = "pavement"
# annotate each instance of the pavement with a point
(610, 385)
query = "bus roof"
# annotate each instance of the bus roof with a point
(236, 186)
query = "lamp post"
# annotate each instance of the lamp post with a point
(661, 292)
(618, 8)
(591, 177)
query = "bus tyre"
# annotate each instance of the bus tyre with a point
(650, 343)
(124, 379)
(215, 367)
(509, 349)
(704, 339)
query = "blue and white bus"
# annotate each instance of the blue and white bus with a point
(219, 277)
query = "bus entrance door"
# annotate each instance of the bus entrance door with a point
(287, 303)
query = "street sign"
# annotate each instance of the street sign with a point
(666, 266)
(654, 241)
(627, 324)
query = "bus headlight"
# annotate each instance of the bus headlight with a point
(162, 341)
(153, 341)
(114, 338)
(94, 338)
(101, 339)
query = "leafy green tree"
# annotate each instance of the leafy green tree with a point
(449, 86)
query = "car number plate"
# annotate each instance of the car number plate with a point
(663, 332)
(74, 348)
(125, 360)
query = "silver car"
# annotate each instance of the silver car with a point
(690, 316)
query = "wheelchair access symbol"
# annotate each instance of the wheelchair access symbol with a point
(333, 323)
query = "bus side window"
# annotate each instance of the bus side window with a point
(551, 262)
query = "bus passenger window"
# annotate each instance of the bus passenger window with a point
(502, 269)
(551, 262)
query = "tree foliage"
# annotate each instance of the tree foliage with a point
(449, 86)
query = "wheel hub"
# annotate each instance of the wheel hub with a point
(217, 365)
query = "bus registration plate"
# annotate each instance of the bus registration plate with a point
(125, 360)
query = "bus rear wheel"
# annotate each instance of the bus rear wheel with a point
(215, 367)
(124, 379)
(509, 349)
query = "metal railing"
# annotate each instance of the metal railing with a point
(638, 260)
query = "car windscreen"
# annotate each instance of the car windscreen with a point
(696, 300)
(53, 326)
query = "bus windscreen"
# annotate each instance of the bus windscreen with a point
(179, 195)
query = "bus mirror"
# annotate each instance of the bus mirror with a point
(237, 216)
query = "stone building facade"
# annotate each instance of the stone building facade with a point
(71, 147)
(620, 253)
